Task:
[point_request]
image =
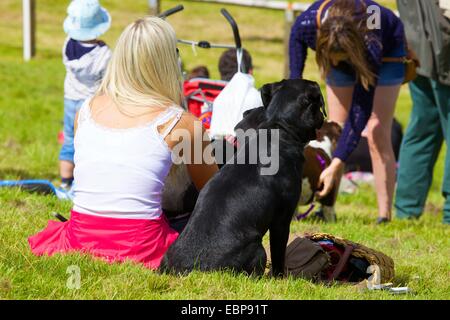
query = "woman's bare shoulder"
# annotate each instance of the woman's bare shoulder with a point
(188, 121)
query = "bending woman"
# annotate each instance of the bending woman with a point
(123, 141)
(362, 90)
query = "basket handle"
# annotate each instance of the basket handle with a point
(342, 262)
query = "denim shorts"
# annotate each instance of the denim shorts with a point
(391, 73)
(70, 109)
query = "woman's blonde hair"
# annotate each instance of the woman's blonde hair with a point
(144, 69)
(345, 30)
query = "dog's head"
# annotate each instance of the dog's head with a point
(332, 130)
(296, 102)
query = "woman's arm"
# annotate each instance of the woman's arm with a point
(357, 120)
(75, 123)
(298, 50)
(189, 140)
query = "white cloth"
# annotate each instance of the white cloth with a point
(120, 173)
(83, 75)
(445, 5)
(238, 96)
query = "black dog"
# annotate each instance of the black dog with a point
(239, 204)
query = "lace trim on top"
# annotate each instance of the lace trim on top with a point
(163, 117)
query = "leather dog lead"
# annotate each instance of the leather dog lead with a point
(394, 59)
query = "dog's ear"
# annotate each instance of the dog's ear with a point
(246, 112)
(337, 129)
(266, 94)
(330, 129)
(268, 90)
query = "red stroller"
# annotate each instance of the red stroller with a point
(200, 94)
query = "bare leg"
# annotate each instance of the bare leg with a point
(339, 103)
(379, 137)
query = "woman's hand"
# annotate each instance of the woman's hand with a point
(329, 177)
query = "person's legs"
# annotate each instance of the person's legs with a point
(66, 165)
(340, 88)
(442, 97)
(419, 151)
(379, 130)
(339, 102)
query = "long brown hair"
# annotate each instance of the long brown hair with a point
(344, 31)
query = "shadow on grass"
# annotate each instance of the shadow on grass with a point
(263, 38)
(402, 279)
(13, 51)
(19, 174)
(10, 50)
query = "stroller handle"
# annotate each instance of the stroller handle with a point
(171, 11)
(205, 44)
(232, 22)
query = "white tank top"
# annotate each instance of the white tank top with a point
(120, 173)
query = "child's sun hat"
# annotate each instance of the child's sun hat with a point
(86, 20)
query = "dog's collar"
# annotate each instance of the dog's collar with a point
(322, 161)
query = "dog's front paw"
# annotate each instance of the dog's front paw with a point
(276, 273)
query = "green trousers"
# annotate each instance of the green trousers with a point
(428, 128)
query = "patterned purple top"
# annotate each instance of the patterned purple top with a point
(379, 43)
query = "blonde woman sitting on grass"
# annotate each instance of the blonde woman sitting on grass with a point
(123, 153)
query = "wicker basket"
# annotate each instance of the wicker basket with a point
(374, 257)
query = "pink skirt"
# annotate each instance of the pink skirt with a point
(115, 240)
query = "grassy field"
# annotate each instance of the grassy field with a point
(31, 108)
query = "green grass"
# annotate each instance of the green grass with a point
(30, 117)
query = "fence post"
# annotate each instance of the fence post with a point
(289, 21)
(154, 7)
(29, 23)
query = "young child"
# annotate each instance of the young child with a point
(85, 59)
(228, 65)
(199, 72)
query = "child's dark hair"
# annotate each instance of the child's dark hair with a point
(228, 63)
(345, 30)
(199, 72)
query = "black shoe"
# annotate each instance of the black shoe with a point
(383, 220)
